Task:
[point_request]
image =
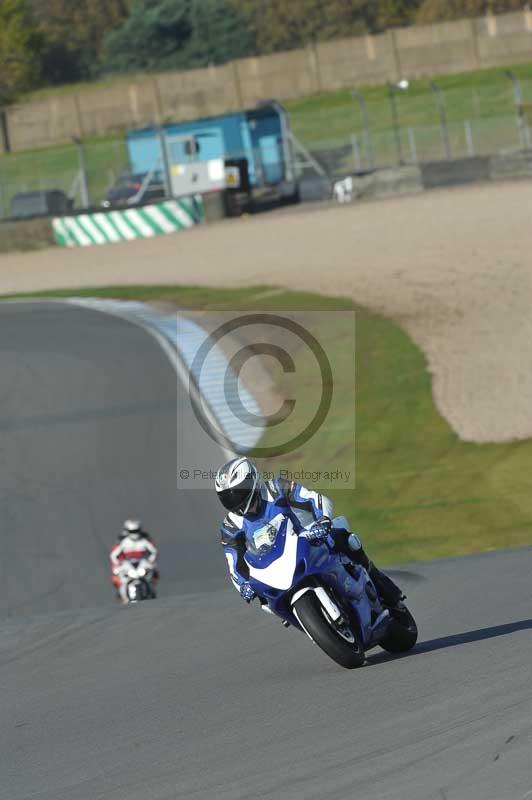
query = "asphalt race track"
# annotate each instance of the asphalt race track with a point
(197, 695)
(88, 413)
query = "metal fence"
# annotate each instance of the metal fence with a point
(419, 123)
(83, 171)
(337, 134)
(359, 152)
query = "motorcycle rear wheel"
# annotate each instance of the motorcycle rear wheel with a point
(313, 618)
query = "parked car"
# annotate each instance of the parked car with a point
(46, 203)
(131, 189)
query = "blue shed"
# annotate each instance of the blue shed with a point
(193, 153)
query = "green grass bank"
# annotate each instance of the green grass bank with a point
(420, 492)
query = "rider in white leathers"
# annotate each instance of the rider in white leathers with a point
(133, 544)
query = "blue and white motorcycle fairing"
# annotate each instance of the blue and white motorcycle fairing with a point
(283, 567)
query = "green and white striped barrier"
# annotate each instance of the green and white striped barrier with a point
(125, 225)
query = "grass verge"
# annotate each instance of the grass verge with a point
(420, 492)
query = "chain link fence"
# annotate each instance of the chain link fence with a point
(337, 134)
(411, 125)
(83, 172)
(472, 137)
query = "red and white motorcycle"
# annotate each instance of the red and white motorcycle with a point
(136, 581)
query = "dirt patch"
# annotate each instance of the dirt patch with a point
(32, 234)
(453, 267)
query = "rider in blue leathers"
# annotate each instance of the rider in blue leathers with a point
(249, 500)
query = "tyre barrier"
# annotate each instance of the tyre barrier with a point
(129, 224)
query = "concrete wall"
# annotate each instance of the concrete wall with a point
(406, 52)
(434, 175)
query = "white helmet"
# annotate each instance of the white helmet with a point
(237, 484)
(132, 527)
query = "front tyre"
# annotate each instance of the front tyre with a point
(340, 642)
(402, 634)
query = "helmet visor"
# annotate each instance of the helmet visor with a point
(237, 498)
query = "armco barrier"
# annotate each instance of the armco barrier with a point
(456, 172)
(100, 228)
(433, 175)
(144, 222)
(511, 165)
(389, 182)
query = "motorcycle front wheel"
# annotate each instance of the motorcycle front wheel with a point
(340, 641)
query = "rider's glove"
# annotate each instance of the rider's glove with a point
(247, 593)
(319, 531)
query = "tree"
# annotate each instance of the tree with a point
(19, 43)
(281, 25)
(393, 13)
(164, 34)
(437, 10)
(151, 34)
(73, 33)
(219, 33)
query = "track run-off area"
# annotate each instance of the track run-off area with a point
(196, 695)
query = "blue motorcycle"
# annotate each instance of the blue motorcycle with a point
(324, 594)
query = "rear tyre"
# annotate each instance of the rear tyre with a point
(402, 635)
(343, 646)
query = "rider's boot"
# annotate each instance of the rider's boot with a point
(389, 593)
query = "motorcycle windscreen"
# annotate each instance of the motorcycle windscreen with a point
(261, 540)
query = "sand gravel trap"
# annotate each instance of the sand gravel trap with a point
(453, 267)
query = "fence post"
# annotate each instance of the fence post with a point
(395, 122)
(2, 200)
(413, 146)
(356, 152)
(237, 84)
(438, 94)
(79, 118)
(316, 64)
(518, 100)
(370, 155)
(474, 43)
(165, 161)
(470, 144)
(84, 189)
(5, 131)
(396, 55)
(286, 144)
(156, 94)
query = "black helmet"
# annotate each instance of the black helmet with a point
(237, 484)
